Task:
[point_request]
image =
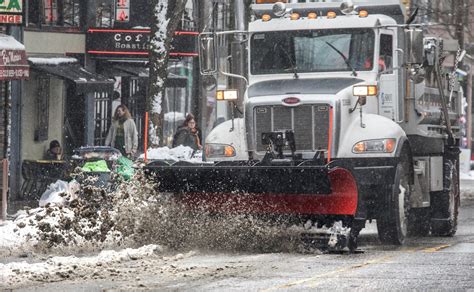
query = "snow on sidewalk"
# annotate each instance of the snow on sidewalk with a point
(467, 185)
(60, 268)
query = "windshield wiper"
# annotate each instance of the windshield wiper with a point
(293, 66)
(354, 73)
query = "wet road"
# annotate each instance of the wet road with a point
(429, 263)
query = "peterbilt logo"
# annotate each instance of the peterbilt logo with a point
(291, 101)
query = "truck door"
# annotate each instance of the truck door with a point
(388, 82)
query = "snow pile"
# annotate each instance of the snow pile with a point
(174, 116)
(135, 214)
(52, 61)
(60, 268)
(10, 43)
(467, 185)
(467, 176)
(179, 153)
(144, 216)
(85, 220)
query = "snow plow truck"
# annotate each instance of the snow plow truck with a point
(348, 115)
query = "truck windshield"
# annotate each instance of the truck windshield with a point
(306, 51)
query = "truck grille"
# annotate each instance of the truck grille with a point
(310, 124)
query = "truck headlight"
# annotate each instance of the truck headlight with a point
(375, 146)
(364, 90)
(228, 94)
(219, 150)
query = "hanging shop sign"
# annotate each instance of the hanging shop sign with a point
(11, 11)
(13, 65)
(135, 43)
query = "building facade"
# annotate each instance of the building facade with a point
(69, 95)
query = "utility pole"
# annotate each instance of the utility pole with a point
(469, 109)
(15, 129)
(459, 21)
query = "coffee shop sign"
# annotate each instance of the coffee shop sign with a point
(135, 42)
(131, 41)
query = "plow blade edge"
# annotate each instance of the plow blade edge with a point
(260, 189)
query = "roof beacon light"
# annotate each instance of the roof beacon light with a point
(294, 16)
(312, 15)
(331, 14)
(347, 7)
(266, 17)
(363, 13)
(270, 1)
(279, 9)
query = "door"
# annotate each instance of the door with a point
(388, 77)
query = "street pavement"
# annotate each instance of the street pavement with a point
(425, 263)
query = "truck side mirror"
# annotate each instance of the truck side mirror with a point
(207, 54)
(415, 46)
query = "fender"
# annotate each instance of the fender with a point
(375, 127)
(224, 134)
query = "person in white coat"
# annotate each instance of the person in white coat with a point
(123, 133)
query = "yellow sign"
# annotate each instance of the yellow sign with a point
(11, 6)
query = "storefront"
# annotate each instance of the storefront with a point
(61, 103)
(63, 99)
(122, 54)
(13, 66)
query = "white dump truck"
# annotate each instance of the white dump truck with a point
(348, 115)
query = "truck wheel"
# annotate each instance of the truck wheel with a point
(419, 222)
(445, 204)
(392, 221)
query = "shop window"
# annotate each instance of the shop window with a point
(104, 14)
(42, 109)
(63, 13)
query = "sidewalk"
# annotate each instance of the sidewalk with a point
(467, 188)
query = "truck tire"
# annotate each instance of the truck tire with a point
(419, 222)
(445, 204)
(392, 221)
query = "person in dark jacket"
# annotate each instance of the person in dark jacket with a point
(188, 134)
(54, 152)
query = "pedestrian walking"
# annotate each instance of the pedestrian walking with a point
(123, 133)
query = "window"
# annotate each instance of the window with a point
(104, 13)
(42, 109)
(308, 51)
(386, 53)
(63, 13)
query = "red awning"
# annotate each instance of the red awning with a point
(13, 61)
